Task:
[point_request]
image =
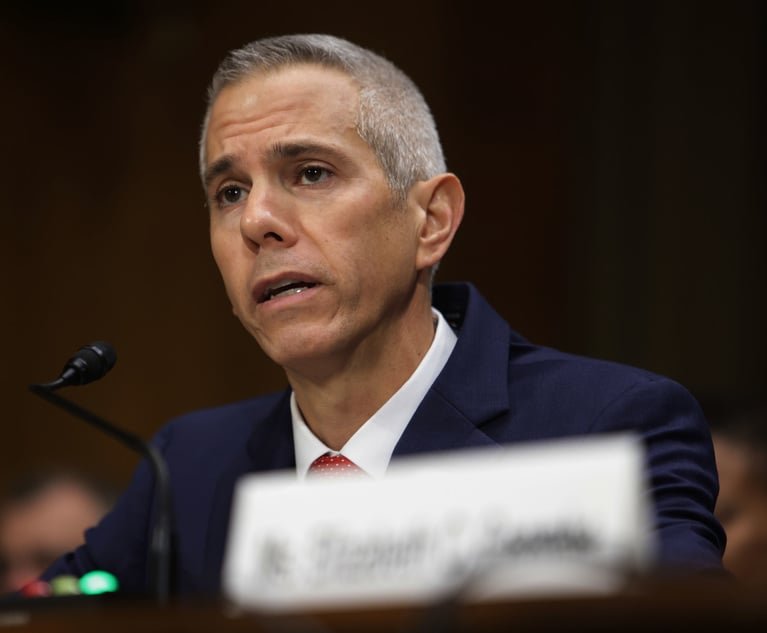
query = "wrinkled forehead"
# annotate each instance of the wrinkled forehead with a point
(310, 89)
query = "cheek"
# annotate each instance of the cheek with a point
(229, 271)
(357, 250)
(391, 243)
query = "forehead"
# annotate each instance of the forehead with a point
(293, 98)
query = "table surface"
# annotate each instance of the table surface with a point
(700, 605)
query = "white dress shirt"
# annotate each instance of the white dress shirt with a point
(372, 445)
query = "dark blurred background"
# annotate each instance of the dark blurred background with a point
(613, 154)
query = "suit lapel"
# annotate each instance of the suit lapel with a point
(270, 447)
(438, 426)
(473, 386)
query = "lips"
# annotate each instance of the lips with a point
(284, 287)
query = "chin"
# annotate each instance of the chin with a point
(298, 351)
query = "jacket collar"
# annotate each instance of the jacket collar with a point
(473, 386)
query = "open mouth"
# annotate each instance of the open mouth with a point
(285, 289)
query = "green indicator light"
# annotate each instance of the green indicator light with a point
(65, 586)
(96, 582)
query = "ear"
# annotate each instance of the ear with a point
(441, 201)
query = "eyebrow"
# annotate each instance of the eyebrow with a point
(227, 162)
(220, 166)
(298, 148)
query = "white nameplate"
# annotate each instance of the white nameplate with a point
(553, 517)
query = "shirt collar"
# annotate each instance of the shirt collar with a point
(372, 445)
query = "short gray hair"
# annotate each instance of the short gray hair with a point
(393, 117)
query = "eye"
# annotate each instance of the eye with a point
(313, 174)
(231, 194)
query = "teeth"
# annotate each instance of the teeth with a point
(290, 287)
(292, 291)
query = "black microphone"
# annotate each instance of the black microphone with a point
(90, 363)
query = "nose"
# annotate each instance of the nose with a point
(268, 220)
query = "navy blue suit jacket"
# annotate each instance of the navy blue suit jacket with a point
(496, 388)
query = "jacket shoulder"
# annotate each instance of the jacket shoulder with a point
(232, 416)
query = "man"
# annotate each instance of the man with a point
(42, 517)
(330, 209)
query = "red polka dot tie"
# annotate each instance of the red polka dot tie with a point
(329, 465)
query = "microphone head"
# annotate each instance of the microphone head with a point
(90, 363)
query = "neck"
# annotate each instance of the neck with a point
(339, 400)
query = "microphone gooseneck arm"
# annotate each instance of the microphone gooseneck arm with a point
(160, 546)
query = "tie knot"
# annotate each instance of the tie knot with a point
(334, 465)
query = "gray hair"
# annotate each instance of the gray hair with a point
(393, 117)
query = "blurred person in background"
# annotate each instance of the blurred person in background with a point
(740, 444)
(42, 516)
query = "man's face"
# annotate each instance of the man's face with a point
(318, 263)
(742, 510)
